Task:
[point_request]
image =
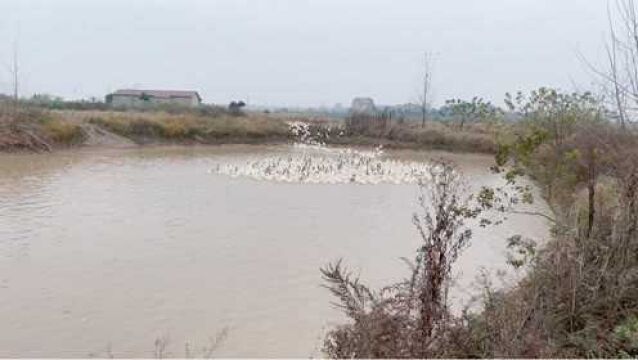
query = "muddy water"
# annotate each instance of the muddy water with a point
(103, 252)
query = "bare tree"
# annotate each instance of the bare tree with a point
(617, 93)
(620, 74)
(629, 45)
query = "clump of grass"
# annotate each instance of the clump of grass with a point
(178, 128)
(627, 334)
(62, 131)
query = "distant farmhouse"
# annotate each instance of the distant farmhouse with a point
(138, 98)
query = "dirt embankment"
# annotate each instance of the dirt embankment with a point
(21, 140)
(48, 130)
(30, 138)
(98, 136)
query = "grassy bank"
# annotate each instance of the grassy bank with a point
(34, 128)
(162, 128)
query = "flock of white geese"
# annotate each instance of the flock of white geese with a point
(312, 162)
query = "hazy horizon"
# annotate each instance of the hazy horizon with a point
(300, 53)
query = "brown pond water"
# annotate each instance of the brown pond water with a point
(104, 251)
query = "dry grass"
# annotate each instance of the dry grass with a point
(62, 131)
(152, 127)
(35, 130)
(475, 138)
(65, 128)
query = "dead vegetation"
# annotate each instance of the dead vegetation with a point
(38, 128)
(580, 295)
(30, 128)
(481, 137)
(409, 319)
(157, 127)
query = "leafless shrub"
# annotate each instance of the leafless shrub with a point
(410, 318)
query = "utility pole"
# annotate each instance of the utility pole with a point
(427, 78)
(15, 73)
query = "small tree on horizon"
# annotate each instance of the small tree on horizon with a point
(474, 110)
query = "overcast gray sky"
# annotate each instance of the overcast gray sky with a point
(300, 52)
